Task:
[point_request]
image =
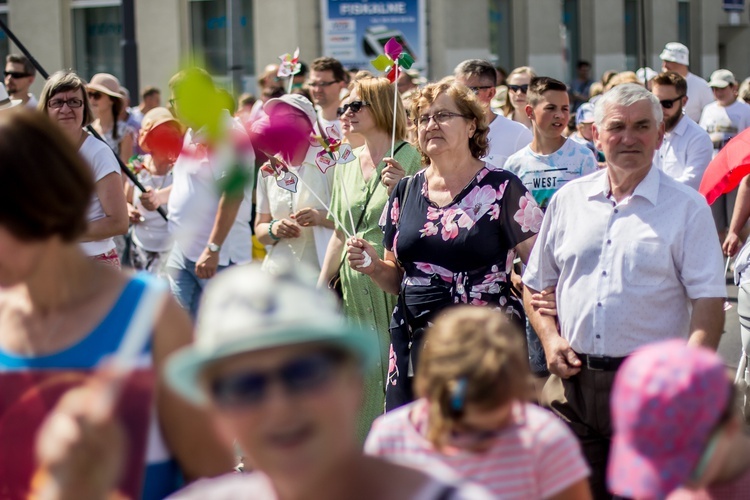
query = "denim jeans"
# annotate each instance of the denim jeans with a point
(186, 286)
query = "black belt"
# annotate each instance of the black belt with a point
(600, 363)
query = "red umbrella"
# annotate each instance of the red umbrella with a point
(725, 172)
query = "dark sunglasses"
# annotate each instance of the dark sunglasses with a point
(16, 75)
(476, 90)
(668, 103)
(95, 95)
(355, 106)
(300, 376)
(519, 88)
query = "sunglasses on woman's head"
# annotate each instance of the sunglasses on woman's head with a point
(300, 376)
(668, 103)
(95, 95)
(355, 106)
(519, 88)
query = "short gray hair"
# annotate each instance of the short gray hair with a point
(626, 94)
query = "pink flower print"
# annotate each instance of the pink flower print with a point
(510, 257)
(475, 205)
(495, 275)
(476, 300)
(450, 228)
(395, 211)
(445, 274)
(495, 211)
(482, 174)
(395, 244)
(501, 190)
(392, 368)
(434, 213)
(529, 215)
(430, 229)
(381, 221)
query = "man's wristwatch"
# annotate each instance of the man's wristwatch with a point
(213, 247)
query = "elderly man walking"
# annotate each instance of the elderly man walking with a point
(635, 258)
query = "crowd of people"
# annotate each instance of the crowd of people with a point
(485, 286)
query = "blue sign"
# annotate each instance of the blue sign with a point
(355, 31)
(734, 5)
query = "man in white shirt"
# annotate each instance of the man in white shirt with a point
(327, 80)
(723, 119)
(676, 57)
(687, 149)
(635, 259)
(505, 136)
(19, 75)
(200, 217)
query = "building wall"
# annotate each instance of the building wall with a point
(456, 30)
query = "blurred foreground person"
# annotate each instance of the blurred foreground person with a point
(676, 427)
(61, 314)
(473, 415)
(282, 374)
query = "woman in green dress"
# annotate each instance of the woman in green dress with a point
(364, 186)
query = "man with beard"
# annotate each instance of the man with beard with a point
(687, 148)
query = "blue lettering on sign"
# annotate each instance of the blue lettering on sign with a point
(375, 8)
(220, 23)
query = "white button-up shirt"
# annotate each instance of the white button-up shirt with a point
(625, 272)
(685, 153)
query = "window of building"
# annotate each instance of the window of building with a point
(631, 34)
(4, 43)
(97, 31)
(572, 22)
(208, 21)
(501, 33)
(683, 22)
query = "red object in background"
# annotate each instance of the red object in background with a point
(27, 397)
(725, 172)
(165, 140)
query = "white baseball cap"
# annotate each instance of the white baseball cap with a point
(722, 78)
(245, 309)
(5, 101)
(675, 52)
(585, 113)
(296, 101)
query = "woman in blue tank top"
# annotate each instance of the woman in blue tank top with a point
(61, 314)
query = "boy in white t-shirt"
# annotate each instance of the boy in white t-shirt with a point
(545, 165)
(723, 119)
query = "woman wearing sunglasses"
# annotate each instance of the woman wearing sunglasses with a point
(64, 100)
(106, 105)
(473, 415)
(282, 375)
(515, 106)
(62, 314)
(363, 186)
(452, 231)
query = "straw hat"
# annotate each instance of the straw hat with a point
(151, 120)
(106, 84)
(5, 101)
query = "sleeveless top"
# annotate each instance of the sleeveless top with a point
(31, 387)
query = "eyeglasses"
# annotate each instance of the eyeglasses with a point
(519, 88)
(476, 90)
(441, 118)
(313, 85)
(73, 103)
(16, 75)
(668, 103)
(355, 106)
(298, 377)
(95, 95)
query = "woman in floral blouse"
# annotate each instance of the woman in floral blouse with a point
(451, 231)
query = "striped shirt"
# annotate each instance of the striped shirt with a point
(535, 457)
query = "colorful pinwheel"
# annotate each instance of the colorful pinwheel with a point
(284, 178)
(289, 67)
(395, 57)
(334, 151)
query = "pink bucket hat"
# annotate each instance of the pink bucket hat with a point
(666, 400)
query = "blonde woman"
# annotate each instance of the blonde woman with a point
(515, 104)
(473, 416)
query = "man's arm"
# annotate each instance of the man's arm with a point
(561, 360)
(208, 262)
(707, 322)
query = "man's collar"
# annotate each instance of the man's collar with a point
(681, 126)
(648, 188)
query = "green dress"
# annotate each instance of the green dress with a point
(364, 303)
